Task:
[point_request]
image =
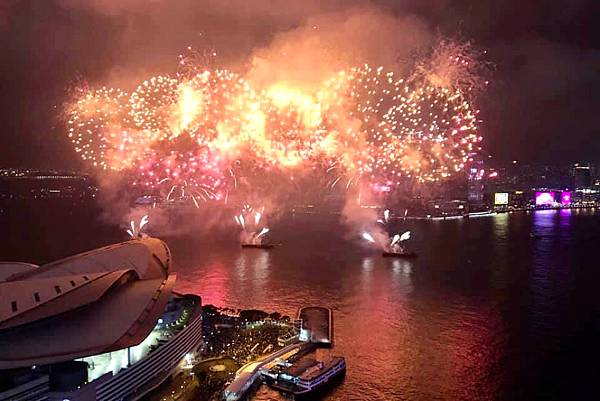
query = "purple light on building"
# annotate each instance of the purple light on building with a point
(544, 198)
(565, 198)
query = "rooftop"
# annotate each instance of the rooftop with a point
(126, 284)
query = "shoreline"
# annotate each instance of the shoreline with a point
(232, 338)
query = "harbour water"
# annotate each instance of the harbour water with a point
(503, 307)
(487, 311)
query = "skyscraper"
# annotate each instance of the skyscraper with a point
(582, 174)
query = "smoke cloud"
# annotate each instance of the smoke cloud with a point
(267, 40)
(296, 43)
(331, 42)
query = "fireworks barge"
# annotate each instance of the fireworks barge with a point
(258, 246)
(403, 254)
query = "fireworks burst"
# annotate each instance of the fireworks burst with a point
(453, 65)
(192, 134)
(369, 237)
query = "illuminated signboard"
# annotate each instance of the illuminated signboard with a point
(381, 188)
(501, 198)
(565, 198)
(544, 198)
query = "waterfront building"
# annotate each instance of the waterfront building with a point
(102, 325)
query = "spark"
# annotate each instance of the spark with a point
(257, 218)
(405, 236)
(262, 232)
(137, 232)
(368, 237)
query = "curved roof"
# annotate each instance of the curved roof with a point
(7, 269)
(32, 300)
(150, 257)
(106, 299)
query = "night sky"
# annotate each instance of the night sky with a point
(541, 105)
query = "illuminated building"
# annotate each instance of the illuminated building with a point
(33, 184)
(475, 184)
(582, 175)
(102, 325)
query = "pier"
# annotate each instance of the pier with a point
(316, 330)
(248, 374)
(316, 325)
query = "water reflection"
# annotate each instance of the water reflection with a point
(367, 264)
(436, 327)
(485, 306)
(551, 276)
(240, 266)
(501, 230)
(403, 267)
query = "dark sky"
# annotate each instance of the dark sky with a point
(542, 104)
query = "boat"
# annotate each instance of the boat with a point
(402, 254)
(307, 376)
(258, 246)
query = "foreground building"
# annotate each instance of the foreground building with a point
(102, 325)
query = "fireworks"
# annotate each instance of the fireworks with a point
(136, 232)
(368, 237)
(381, 238)
(192, 133)
(454, 65)
(405, 236)
(95, 129)
(252, 228)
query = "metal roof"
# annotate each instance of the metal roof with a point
(106, 299)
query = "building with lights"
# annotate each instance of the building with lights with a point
(18, 184)
(102, 325)
(583, 174)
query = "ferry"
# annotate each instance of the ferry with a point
(306, 376)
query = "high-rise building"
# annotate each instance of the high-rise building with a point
(582, 174)
(475, 183)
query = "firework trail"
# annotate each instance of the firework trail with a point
(136, 232)
(368, 237)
